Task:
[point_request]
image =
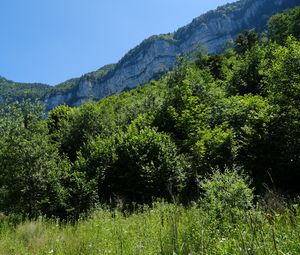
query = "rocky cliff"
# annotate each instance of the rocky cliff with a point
(157, 54)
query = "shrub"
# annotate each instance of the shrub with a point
(226, 194)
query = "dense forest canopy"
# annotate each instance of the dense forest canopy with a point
(236, 110)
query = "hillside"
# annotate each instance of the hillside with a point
(14, 90)
(156, 55)
(233, 111)
(205, 160)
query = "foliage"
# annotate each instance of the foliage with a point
(283, 87)
(12, 91)
(226, 194)
(136, 166)
(283, 76)
(215, 148)
(30, 165)
(158, 140)
(248, 73)
(35, 178)
(285, 24)
(245, 42)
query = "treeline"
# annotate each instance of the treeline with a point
(236, 110)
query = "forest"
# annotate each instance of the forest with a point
(205, 160)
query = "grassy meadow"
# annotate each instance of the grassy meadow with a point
(161, 229)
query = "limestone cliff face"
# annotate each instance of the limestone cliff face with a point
(139, 68)
(215, 28)
(158, 54)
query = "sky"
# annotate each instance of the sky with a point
(50, 41)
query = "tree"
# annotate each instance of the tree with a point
(285, 24)
(57, 119)
(30, 167)
(245, 41)
(278, 26)
(135, 166)
(283, 89)
(248, 73)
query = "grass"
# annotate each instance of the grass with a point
(162, 229)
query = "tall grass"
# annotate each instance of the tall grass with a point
(162, 229)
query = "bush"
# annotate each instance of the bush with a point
(226, 194)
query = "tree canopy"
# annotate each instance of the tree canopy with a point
(236, 109)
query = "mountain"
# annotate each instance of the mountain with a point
(154, 56)
(16, 90)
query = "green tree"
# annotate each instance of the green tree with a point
(135, 166)
(245, 41)
(283, 88)
(285, 24)
(34, 178)
(30, 167)
(215, 148)
(248, 72)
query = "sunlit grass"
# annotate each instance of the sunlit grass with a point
(162, 229)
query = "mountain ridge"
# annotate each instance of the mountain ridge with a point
(157, 54)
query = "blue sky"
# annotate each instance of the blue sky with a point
(50, 41)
